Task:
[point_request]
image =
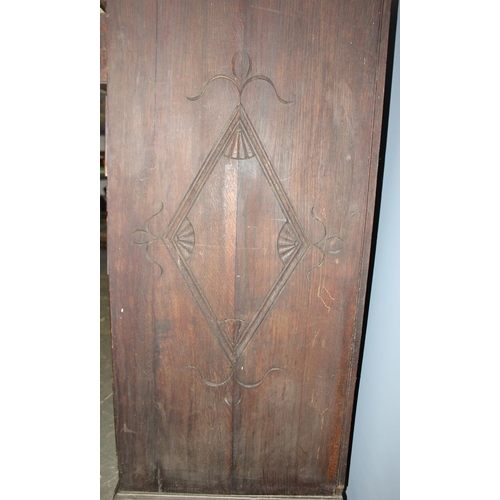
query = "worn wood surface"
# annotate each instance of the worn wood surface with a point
(242, 149)
(129, 495)
(104, 50)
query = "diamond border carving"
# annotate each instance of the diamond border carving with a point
(239, 123)
(238, 140)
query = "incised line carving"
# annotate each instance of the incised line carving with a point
(238, 140)
(321, 245)
(229, 398)
(235, 81)
(149, 237)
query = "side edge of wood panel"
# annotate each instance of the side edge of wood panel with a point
(131, 61)
(385, 13)
(104, 50)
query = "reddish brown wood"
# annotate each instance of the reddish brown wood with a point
(104, 51)
(242, 149)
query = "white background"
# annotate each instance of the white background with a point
(449, 250)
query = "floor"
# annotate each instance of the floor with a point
(109, 470)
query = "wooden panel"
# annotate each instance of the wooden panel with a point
(129, 144)
(242, 148)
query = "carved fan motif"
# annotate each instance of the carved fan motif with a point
(238, 140)
(185, 239)
(239, 147)
(233, 334)
(287, 243)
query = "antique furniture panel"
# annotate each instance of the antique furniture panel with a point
(242, 153)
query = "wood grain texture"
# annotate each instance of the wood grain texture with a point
(145, 496)
(242, 154)
(129, 143)
(104, 50)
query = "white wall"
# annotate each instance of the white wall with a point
(374, 467)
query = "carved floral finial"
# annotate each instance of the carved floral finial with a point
(240, 66)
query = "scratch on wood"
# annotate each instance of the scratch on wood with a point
(263, 8)
(321, 414)
(314, 340)
(162, 411)
(127, 430)
(327, 293)
(320, 298)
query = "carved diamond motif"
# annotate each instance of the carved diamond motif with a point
(237, 141)
(243, 267)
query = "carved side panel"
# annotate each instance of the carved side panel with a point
(244, 168)
(234, 252)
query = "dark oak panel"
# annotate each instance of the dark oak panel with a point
(242, 151)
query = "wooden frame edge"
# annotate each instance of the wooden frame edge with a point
(136, 495)
(355, 357)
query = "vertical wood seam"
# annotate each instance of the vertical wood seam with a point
(158, 478)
